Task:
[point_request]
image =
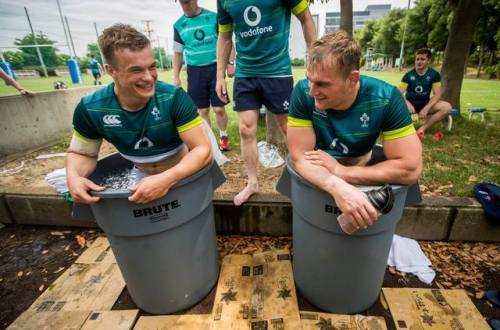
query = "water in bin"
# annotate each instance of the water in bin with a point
(166, 249)
(269, 155)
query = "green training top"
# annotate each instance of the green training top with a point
(197, 38)
(379, 107)
(145, 136)
(262, 29)
(94, 65)
(419, 87)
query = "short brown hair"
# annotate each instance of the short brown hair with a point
(338, 46)
(121, 36)
(425, 51)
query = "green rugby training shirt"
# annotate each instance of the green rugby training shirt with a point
(419, 87)
(378, 108)
(196, 37)
(261, 29)
(145, 136)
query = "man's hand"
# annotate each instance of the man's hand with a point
(26, 92)
(230, 70)
(79, 188)
(221, 90)
(177, 82)
(354, 204)
(321, 158)
(149, 189)
(423, 113)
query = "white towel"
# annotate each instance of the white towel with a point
(57, 179)
(407, 256)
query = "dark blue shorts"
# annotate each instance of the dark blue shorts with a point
(252, 93)
(96, 74)
(201, 85)
(418, 105)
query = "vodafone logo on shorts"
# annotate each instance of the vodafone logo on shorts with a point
(112, 121)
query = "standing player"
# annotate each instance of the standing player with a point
(96, 69)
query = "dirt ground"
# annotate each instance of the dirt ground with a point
(30, 171)
(33, 257)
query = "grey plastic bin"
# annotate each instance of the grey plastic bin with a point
(337, 272)
(166, 250)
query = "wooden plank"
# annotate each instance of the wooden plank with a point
(49, 320)
(314, 321)
(274, 299)
(82, 287)
(433, 309)
(104, 320)
(176, 322)
(234, 294)
(98, 252)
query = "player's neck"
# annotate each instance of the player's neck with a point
(193, 12)
(351, 98)
(130, 103)
(422, 71)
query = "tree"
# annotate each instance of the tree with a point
(489, 18)
(346, 16)
(465, 15)
(30, 54)
(387, 40)
(92, 49)
(16, 59)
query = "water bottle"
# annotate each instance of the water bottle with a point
(382, 200)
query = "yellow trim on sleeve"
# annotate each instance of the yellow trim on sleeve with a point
(193, 123)
(300, 7)
(296, 122)
(399, 133)
(403, 84)
(437, 83)
(83, 138)
(226, 27)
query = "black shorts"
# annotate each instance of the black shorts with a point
(96, 75)
(252, 93)
(418, 105)
(201, 85)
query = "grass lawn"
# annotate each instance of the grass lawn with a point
(470, 153)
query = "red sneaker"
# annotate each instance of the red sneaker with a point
(420, 135)
(438, 136)
(224, 144)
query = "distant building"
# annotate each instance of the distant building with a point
(359, 18)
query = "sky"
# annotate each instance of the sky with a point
(83, 13)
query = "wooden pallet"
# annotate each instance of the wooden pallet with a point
(433, 309)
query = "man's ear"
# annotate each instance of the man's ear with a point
(353, 78)
(109, 69)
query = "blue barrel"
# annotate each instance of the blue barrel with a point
(74, 71)
(8, 70)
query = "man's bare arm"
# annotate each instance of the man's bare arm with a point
(403, 164)
(224, 47)
(199, 155)
(78, 167)
(308, 27)
(176, 68)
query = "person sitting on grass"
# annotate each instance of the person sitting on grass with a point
(10, 81)
(335, 118)
(417, 85)
(153, 124)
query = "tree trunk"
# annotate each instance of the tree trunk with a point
(346, 16)
(274, 135)
(481, 55)
(457, 49)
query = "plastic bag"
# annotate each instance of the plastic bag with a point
(218, 156)
(269, 156)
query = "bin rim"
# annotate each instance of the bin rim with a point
(124, 193)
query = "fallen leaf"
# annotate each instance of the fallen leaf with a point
(19, 274)
(81, 241)
(66, 248)
(480, 295)
(41, 287)
(59, 270)
(45, 251)
(56, 233)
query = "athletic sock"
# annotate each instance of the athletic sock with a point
(222, 133)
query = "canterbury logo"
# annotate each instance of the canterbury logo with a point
(111, 120)
(255, 12)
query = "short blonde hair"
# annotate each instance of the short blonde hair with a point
(339, 47)
(121, 36)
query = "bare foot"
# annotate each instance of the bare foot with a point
(245, 194)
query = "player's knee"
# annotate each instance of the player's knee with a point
(247, 131)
